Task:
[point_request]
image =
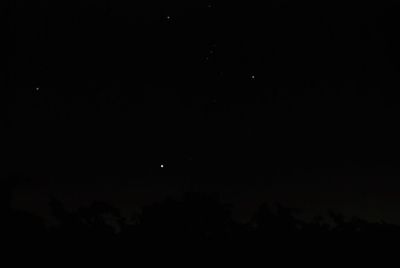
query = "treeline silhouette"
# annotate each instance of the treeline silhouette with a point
(195, 219)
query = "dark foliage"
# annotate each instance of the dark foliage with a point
(194, 224)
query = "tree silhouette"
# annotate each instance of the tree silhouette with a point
(194, 221)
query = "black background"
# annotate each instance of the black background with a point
(233, 97)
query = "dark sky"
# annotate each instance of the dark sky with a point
(286, 101)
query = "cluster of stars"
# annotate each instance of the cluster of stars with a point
(211, 52)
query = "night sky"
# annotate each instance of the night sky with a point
(288, 101)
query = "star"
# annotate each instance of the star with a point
(162, 166)
(37, 88)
